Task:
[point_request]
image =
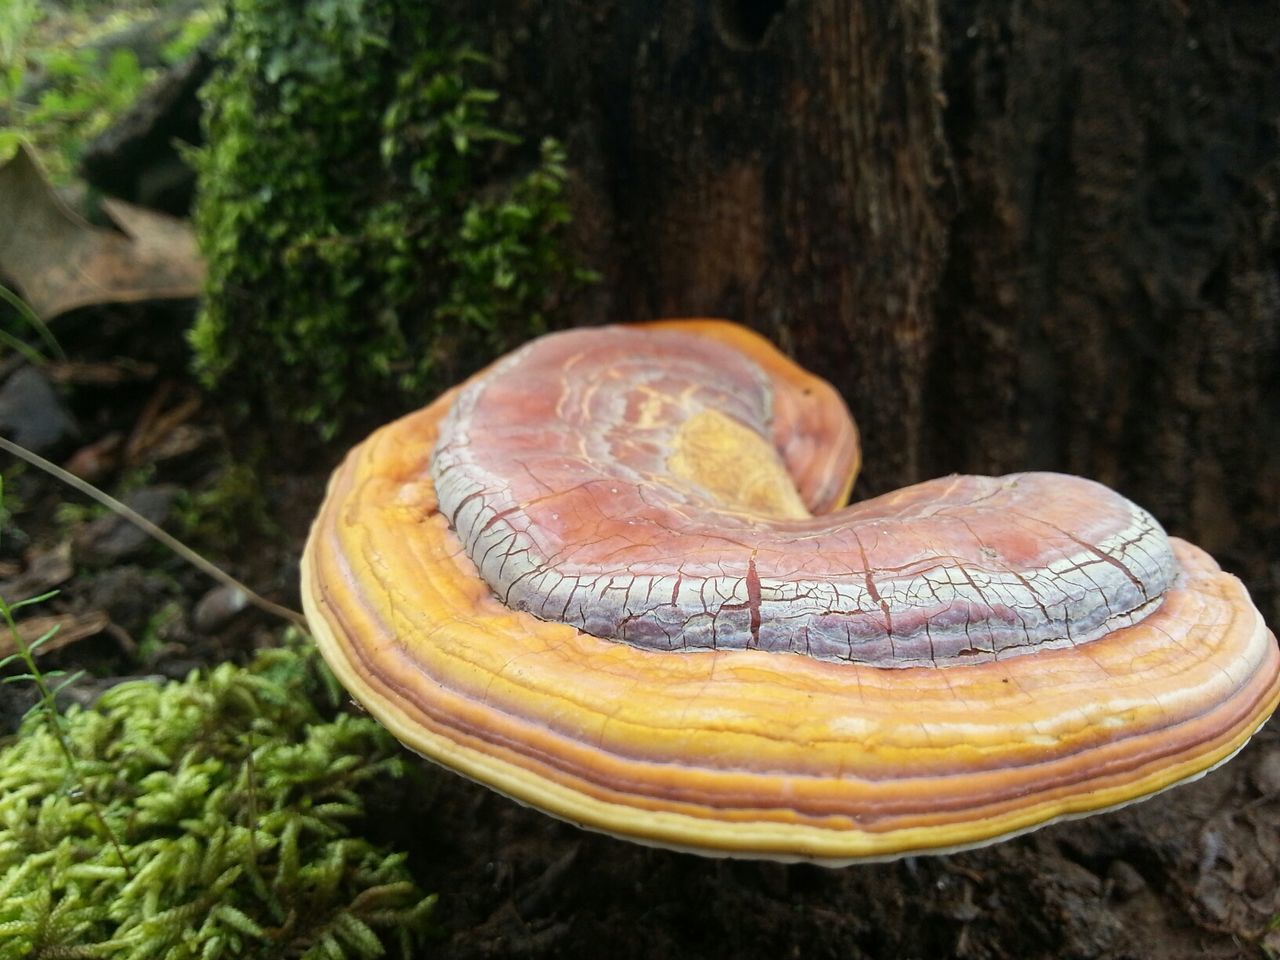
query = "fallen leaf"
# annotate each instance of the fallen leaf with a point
(71, 627)
(96, 460)
(100, 372)
(162, 430)
(59, 261)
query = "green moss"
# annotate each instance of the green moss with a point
(371, 232)
(221, 514)
(158, 630)
(203, 819)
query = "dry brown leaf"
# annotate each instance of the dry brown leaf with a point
(100, 372)
(162, 430)
(95, 460)
(71, 627)
(60, 261)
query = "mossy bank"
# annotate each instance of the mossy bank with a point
(373, 230)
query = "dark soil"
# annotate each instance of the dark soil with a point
(1192, 873)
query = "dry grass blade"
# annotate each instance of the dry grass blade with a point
(151, 530)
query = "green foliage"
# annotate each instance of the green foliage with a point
(203, 819)
(222, 513)
(17, 322)
(366, 235)
(81, 88)
(48, 685)
(191, 34)
(68, 515)
(84, 95)
(158, 630)
(17, 18)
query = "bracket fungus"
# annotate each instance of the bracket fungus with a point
(611, 576)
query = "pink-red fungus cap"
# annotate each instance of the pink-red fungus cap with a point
(610, 577)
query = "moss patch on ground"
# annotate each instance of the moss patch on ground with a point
(202, 819)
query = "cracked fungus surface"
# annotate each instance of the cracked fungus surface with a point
(570, 477)
(611, 577)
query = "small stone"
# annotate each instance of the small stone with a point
(17, 700)
(131, 595)
(45, 568)
(85, 690)
(1260, 881)
(217, 608)
(1266, 773)
(111, 538)
(1126, 882)
(31, 414)
(179, 668)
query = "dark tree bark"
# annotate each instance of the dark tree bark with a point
(782, 165)
(1030, 236)
(1017, 234)
(1112, 298)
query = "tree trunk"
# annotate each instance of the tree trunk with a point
(1112, 302)
(1059, 252)
(1017, 234)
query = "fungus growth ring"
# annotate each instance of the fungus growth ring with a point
(611, 577)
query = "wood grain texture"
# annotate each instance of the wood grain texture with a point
(749, 752)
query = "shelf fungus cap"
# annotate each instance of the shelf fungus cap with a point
(611, 577)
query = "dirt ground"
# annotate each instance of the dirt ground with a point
(1192, 873)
